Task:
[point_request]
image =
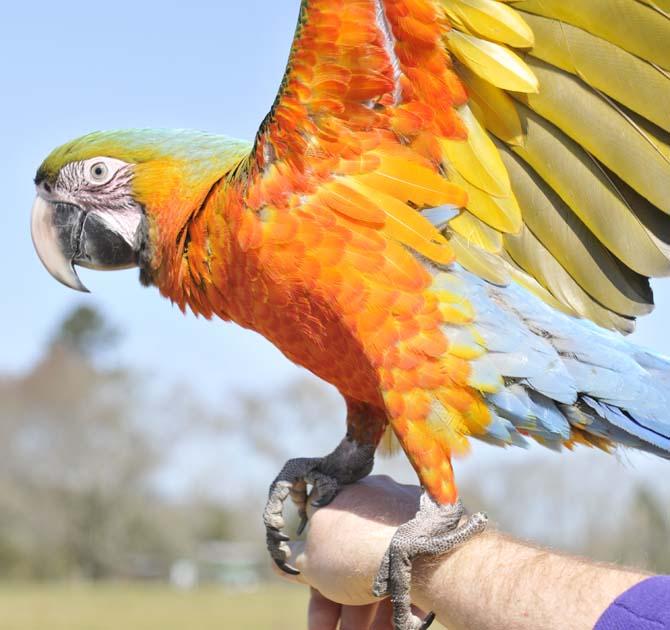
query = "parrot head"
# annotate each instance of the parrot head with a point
(109, 200)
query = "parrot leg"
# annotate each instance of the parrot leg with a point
(348, 463)
(435, 530)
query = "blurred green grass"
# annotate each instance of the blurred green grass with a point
(125, 606)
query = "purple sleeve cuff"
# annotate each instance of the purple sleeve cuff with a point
(645, 606)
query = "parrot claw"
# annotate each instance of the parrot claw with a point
(302, 525)
(348, 463)
(427, 621)
(277, 535)
(326, 498)
(287, 568)
(435, 530)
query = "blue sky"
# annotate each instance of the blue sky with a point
(68, 68)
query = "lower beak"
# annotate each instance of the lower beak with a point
(56, 231)
(66, 235)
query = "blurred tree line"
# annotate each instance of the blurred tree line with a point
(77, 464)
(85, 441)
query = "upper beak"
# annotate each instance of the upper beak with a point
(56, 229)
(65, 234)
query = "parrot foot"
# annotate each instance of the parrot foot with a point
(348, 463)
(435, 530)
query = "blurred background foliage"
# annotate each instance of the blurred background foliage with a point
(106, 475)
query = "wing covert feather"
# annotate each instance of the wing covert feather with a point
(391, 103)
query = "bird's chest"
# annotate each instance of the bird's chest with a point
(305, 325)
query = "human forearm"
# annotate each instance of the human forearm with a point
(492, 582)
(495, 582)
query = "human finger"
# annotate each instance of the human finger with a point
(357, 617)
(322, 613)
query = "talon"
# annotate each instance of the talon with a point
(286, 567)
(302, 525)
(380, 591)
(428, 621)
(277, 535)
(322, 501)
(346, 464)
(325, 497)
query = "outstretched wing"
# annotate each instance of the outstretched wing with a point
(544, 121)
(525, 140)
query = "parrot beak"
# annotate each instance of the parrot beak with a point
(65, 235)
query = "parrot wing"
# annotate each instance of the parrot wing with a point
(351, 136)
(460, 178)
(544, 123)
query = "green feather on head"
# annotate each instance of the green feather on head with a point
(196, 150)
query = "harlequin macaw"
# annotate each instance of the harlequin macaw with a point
(449, 212)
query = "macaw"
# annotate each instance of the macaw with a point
(451, 212)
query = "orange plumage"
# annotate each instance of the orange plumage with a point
(316, 242)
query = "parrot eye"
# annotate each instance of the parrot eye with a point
(99, 172)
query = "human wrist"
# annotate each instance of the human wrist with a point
(445, 585)
(495, 582)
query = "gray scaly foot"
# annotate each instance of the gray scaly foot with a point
(348, 463)
(433, 531)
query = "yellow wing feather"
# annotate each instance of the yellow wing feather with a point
(637, 153)
(628, 79)
(580, 112)
(628, 24)
(491, 61)
(491, 20)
